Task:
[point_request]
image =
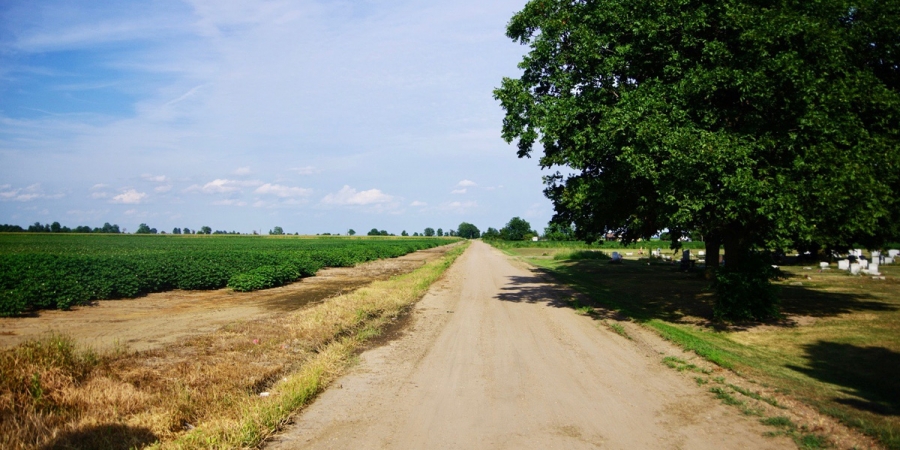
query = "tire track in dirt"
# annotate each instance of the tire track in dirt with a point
(493, 360)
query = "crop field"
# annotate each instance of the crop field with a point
(43, 271)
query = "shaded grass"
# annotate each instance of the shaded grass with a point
(228, 389)
(838, 351)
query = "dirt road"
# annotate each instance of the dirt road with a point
(492, 361)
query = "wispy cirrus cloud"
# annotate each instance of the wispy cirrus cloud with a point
(154, 178)
(282, 191)
(223, 186)
(26, 194)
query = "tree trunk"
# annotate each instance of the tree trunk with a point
(712, 243)
(734, 251)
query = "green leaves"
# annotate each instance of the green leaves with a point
(778, 121)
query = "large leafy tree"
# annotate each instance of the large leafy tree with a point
(468, 231)
(758, 124)
(516, 229)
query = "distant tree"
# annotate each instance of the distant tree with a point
(143, 229)
(351, 232)
(107, 228)
(11, 228)
(416, 233)
(440, 232)
(404, 233)
(559, 232)
(82, 229)
(374, 232)
(186, 230)
(153, 231)
(383, 233)
(55, 227)
(515, 230)
(429, 232)
(176, 230)
(205, 230)
(491, 233)
(468, 231)
(278, 231)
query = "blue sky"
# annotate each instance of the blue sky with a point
(243, 115)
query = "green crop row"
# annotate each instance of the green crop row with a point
(57, 272)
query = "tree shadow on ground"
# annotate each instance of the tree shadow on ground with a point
(868, 375)
(106, 436)
(534, 289)
(645, 292)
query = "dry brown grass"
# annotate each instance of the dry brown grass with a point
(203, 392)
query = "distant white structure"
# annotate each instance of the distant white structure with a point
(534, 238)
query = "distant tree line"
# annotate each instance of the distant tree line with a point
(55, 227)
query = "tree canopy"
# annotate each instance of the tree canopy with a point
(769, 125)
(756, 124)
(516, 229)
(468, 231)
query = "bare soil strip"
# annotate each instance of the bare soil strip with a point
(155, 320)
(492, 360)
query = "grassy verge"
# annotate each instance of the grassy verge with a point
(837, 350)
(228, 389)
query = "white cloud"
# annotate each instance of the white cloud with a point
(349, 196)
(458, 191)
(242, 171)
(418, 203)
(99, 195)
(163, 188)
(230, 202)
(282, 191)
(27, 194)
(154, 178)
(130, 197)
(307, 170)
(459, 207)
(223, 186)
(99, 186)
(466, 183)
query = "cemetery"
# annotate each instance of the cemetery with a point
(836, 344)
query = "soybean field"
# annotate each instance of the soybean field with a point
(48, 271)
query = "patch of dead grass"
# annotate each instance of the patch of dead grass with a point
(231, 388)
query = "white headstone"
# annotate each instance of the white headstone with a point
(629, 254)
(875, 254)
(844, 264)
(893, 253)
(888, 260)
(855, 268)
(858, 252)
(701, 253)
(823, 265)
(863, 263)
(873, 268)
